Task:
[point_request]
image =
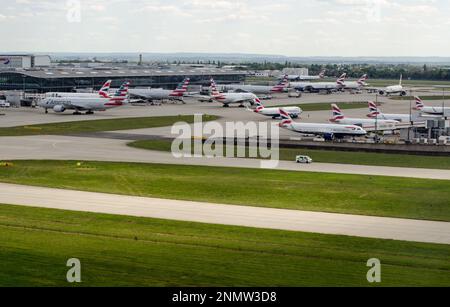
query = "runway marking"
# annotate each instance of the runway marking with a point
(280, 219)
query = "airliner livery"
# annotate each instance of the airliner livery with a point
(433, 111)
(88, 104)
(231, 98)
(394, 89)
(102, 93)
(258, 89)
(374, 112)
(367, 124)
(161, 94)
(328, 131)
(293, 112)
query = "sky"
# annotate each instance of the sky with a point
(282, 27)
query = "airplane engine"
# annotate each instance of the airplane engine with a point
(59, 109)
(382, 93)
(403, 93)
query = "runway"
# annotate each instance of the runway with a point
(115, 150)
(291, 220)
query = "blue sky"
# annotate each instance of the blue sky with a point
(288, 27)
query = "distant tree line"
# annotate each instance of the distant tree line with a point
(378, 71)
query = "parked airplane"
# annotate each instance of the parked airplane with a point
(161, 94)
(103, 93)
(257, 89)
(231, 98)
(306, 78)
(61, 104)
(328, 131)
(315, 87)
(353, 85)
(394, 89)
(367, 124)
(376, 113)
(294, 112)
(433, 111)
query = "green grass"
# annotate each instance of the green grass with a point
(352, 194)
(436, 97)
(127, 251)
(330, 156)
(98, 125)
(309, 107)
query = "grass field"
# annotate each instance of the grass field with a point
(329, 156)
(309, 107)
(98, 125)
(127, 251)
(352, 194)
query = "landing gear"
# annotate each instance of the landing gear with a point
(241, 106)
(226, 105)
(77, 113)
(46, 111)
(89, 113)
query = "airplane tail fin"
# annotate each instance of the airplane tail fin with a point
(373, 110)
(337, 113)
(419, 104)
(181, 88)
(122, 92)
(259, 105)
(281, 85)
(214, 91)
(105, 88)
(401, 80)
(286, 119)
(341, 80)
(363, 79)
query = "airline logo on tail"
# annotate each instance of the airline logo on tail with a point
(419, 104)
(259, 105)
(214, 92)
(322, 74)
(286, 119)
(282, 85)
(373, 109)
(363, 79)
(181, 88)
(341, 80)
(337, 113)
(104, 90)
(120, 96)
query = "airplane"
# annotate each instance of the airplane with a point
(257, 89)
(431, 111)
(353, 85)
(294, 112)
(316, 87)
(306, 78)
(61, 104)
(160, 94)
(102, 93)
(231, 98)
(394, 89)
(367, 124)
(328, 131)
(376, 113)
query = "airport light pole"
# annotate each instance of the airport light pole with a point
(376, 119)
(410, 116)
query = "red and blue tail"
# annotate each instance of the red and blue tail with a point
(105, 89)
(373, 110)
(286, 119)
(419, 104)
(284, 83)
(337, 113)
(181, 88)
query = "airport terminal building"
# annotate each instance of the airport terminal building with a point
(71, 79)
